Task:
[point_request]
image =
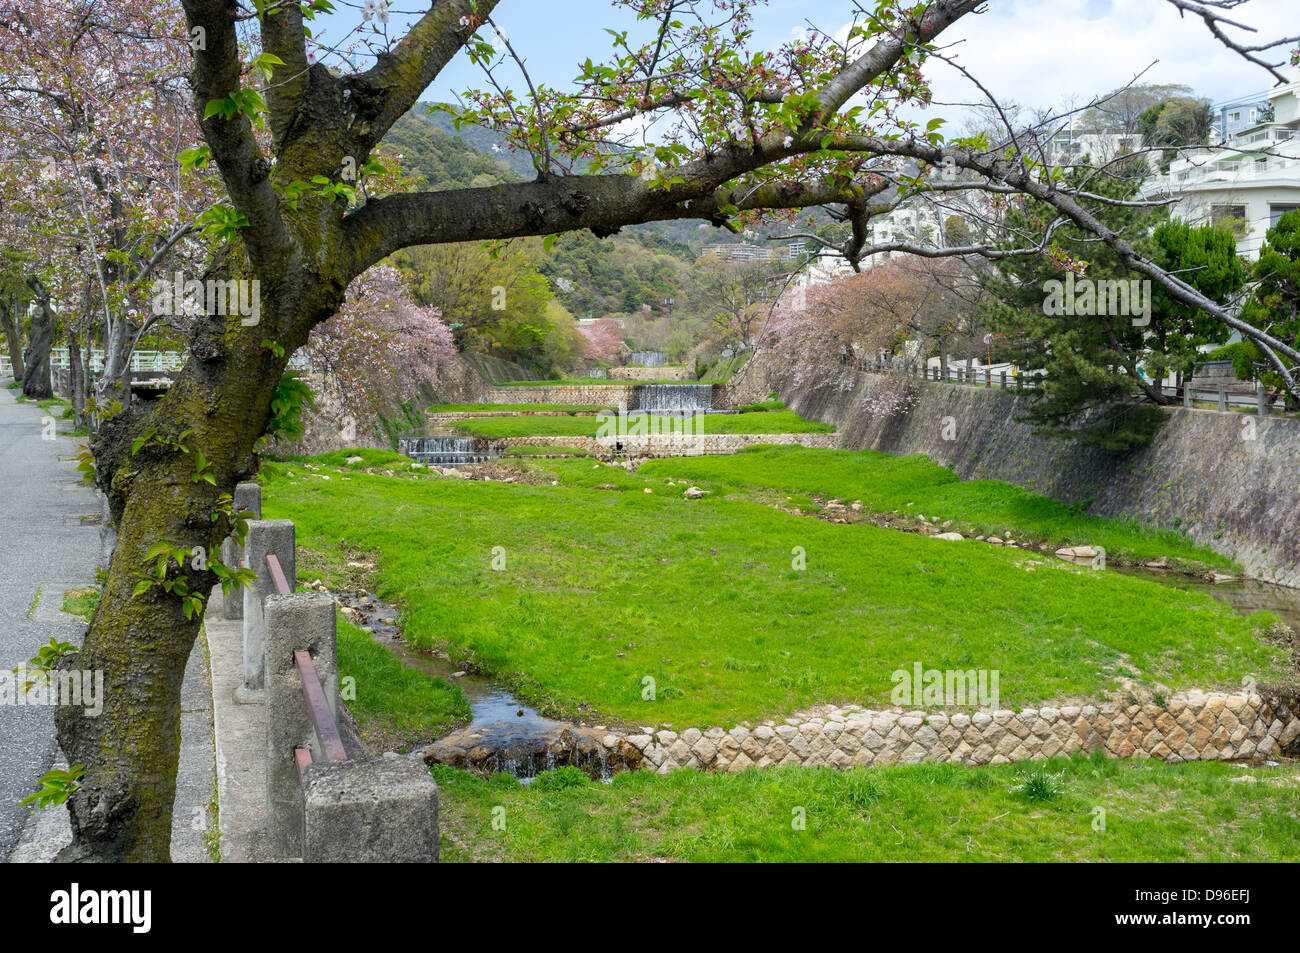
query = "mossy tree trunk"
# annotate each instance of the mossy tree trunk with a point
(36, 379)
(9, 323)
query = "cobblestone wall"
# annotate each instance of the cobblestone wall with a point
(1192, 727)
(651, 374)
(602, 395)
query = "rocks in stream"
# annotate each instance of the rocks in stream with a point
(489, 750)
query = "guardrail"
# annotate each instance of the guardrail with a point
(988, 378)
(324, 727)
(142, 362)
(327, 800)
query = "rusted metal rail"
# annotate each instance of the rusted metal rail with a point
(327, 730)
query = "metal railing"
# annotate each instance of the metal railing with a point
(141, 361)
(986, 377)
(328, 739)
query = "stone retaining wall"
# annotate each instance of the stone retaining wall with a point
(651, 374)
(1191, 727)
(1226, 479)
(602, 395)
(663, 445)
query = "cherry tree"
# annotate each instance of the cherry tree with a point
(602, 339)
(94, 108)
(379, 346)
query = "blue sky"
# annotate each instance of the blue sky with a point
(1040, 53)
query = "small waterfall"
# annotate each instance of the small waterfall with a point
(649, 358)
(441, 451)
(674, 398)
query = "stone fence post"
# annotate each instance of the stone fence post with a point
(384, 810)
(1261, 400)
(304, 620)
(248, 498)
(264, 536)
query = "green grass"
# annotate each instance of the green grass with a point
(916, 485)
(783, 421)
(760, 406)
(928, 812)
(82, 602)
(58, 408)
(602, 589)
(397, 708)
(518, 408)
(724, 368)
(369, 458)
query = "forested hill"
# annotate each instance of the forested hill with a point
(472, 155)
(444, 160)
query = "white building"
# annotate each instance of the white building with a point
(1249, 181)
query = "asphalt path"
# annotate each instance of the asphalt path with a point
(48, 543)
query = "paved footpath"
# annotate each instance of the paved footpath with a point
(49, 543)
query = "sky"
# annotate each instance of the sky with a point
(1038, 53)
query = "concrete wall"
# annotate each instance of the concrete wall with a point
(601, 395)
(651, 374)
(1231, 480)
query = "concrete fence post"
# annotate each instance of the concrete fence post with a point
(248, 498)
(384, 810)
(988, 377)
(1261, 400)
(304, 620)
(1187, 395)
(264, 536)
(1002, 379)
(1223, 397)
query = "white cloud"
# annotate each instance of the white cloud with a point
(1085, 48)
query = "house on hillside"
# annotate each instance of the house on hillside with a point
(1250, 180)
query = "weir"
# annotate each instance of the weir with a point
(673, 398)
(442, 451)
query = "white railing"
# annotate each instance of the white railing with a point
(143, 362)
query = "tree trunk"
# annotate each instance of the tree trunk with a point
(115, 381)
(9, 321)
(36, 380)
(76, 395)
(122, 810)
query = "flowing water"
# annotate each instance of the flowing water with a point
(521, 741)
(649, 358)
(442, 451)
(1247, 596)
(674, 398)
